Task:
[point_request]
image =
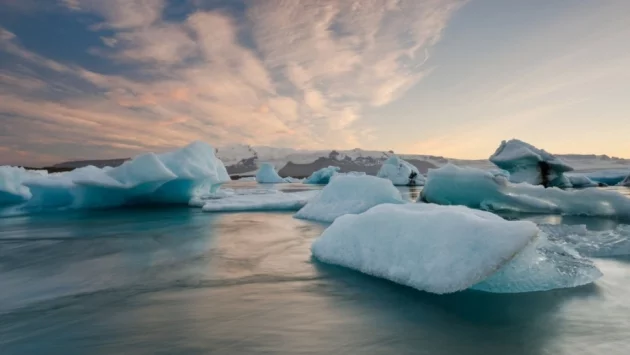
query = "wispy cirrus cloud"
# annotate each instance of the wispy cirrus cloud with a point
(292, 73)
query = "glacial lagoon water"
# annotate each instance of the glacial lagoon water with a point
(180, 281)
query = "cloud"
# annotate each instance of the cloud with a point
(296, 73)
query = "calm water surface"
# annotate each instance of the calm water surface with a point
(179, 281)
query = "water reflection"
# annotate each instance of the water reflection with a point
(148, 281)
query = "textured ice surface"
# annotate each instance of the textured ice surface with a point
(347, 194)
(626, 181)
(521, 160)
(451, 185)
(447, 249)
(267, 175)
(173, 177)
(400, 172)
(279, 201)
(322, 176)
(615, 242)
(12, 190)
(542, 266)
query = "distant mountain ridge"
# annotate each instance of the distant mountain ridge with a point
(245, 159)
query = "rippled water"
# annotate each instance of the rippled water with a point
(179, 281)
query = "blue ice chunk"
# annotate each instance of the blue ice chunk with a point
(267, 175)
(322, 176)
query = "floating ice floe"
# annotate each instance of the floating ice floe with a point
(279, 201)
(606, 243)
(173, 177)
(452, 185)
(442, 249)
(322, 176)
(347, 194)
(581, 181)
(267, 175)
(523, 162)
(400, 172)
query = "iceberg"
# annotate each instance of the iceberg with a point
(442, 250)
(348, 194)
(452, 185)
(625, 182)
(170, 178)
(526, 163)
(400, 172)
(279, 201)
(267, 175)
(322, 176)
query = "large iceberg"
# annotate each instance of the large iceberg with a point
(452, 185)
(267, 175)
(173, 177)
(400, 172)
(346, 194)
(279, 201)
(446, 249)
(526, 163)
(322, 176)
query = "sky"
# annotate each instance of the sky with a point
(90, 79)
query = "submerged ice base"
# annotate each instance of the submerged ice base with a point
(452, 185)
(278, 201)
(168, 178)
(442, 249)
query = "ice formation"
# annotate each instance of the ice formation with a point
(173, 177)
(322, 176)
(279, 201)
(609, 177)
(12, 190)
(522, 161)
(267, 175)
(626, 181)
(442, 249)
(451, 185)
(347, 194)
(581, 181)
(400, 172)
